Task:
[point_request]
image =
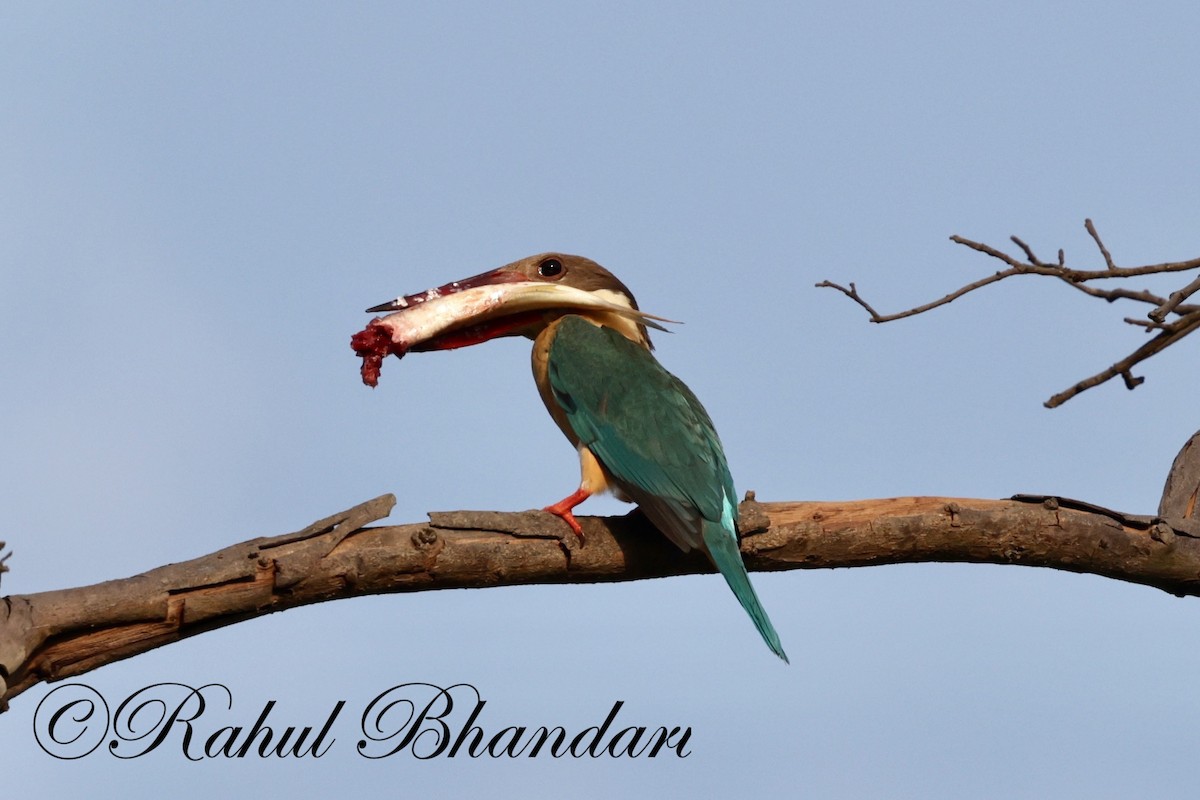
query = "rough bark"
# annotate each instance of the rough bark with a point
(53, 635)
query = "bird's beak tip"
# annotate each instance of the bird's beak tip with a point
(496, 276)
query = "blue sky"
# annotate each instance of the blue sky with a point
(200, 199)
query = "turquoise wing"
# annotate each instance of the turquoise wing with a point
(657, 443)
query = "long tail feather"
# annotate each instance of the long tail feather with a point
(723, 550)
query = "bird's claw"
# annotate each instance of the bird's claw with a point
(564, 507)
(564, 513)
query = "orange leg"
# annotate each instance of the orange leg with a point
(563, 509)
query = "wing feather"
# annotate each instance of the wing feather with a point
(647, 428)
(657, 443)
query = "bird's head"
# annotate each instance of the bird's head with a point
(518, 299)
(532, 292)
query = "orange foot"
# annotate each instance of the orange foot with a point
(563, 509)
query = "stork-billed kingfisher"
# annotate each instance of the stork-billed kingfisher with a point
(640, 432)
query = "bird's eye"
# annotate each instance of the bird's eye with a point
(550, 268)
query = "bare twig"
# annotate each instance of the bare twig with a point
(1149, 325)
(1172, 302)
(1167, 337)
(1187, 315)
(852, 293)
(1076, 275)
(1034, 260)
(1091, 229)
(1113, 295)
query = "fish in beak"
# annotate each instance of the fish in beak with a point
(514, 300)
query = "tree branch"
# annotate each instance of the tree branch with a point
(1169, 333)
(53, 635)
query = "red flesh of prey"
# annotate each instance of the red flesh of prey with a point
(374, 342)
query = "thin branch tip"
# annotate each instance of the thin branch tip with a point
(1187, 315)
(1108, 260)
(852, 293)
